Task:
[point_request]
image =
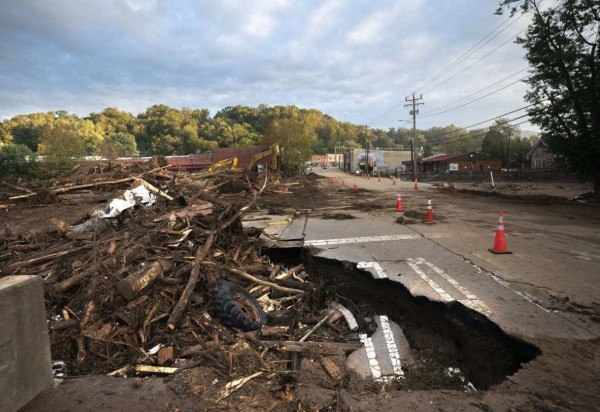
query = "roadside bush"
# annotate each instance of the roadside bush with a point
(17, 160)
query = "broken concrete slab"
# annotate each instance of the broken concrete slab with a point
(384, 354)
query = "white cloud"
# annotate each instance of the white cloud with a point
(339, 56)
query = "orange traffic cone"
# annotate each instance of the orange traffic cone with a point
(500, 241)
(343, 183)
(394, 182)
(429, 214)
(354, 187)
(416, 185)
(455, 190)
(379, 177)
(399, 207)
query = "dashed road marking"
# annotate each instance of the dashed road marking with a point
(379, 272)
(364, 239)
(371, 355)
(471, 301)
(390, 342)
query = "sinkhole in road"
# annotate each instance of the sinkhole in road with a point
(443, 337)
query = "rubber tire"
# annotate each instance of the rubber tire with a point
(229, 313)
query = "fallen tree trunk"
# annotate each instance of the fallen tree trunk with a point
(140, 280)
(184, 300)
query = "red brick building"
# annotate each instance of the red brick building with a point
(460, 163)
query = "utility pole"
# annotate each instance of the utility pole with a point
(414, 104)
(367, 159)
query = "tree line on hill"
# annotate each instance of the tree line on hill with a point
(61, 136)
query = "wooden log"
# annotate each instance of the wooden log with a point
(53, 255)
(154, 369)
(233, 386)
(140, 280)
(263, 281)
(184, 299)
(62, 287)
(314, 348)
(332, 368)
(62, 324)
(266, 331)
(81, 352)
(154, 189)
(21, 189)
(71, 188)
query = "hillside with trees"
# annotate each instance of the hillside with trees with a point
(164, 130)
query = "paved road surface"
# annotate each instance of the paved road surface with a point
(556, 255)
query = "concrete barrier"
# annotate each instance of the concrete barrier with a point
(25, 364)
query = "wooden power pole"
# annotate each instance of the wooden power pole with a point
(414, 111)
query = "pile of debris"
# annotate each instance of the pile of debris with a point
(165, 279)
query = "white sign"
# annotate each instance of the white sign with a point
(453, 167)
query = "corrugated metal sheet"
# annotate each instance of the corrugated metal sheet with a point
(244, 154)
(189, 162)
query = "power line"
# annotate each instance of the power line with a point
(464, 55)
(467, 55)
(489, 120)
(474, 63)
(386, 115)
(478, 99)
(478, 91)
(565, 100)
(438, 140)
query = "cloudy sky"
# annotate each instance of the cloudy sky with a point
(353, 59)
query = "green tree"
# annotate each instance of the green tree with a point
(17, 160)
(119, 144)
(509, 133)
(494, 144)
(295, 139)
(61, 145)
(563, 49)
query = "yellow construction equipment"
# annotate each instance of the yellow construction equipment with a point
(230, 164)
(272, 151)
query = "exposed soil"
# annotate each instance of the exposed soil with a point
(338, 216)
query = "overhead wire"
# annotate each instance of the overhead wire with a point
(438, 140)
(476, 92)
(475, 62)
(464, 55)
(470, 54)
(563, 101)
(478, 99)
(389, 113)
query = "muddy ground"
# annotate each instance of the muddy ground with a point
(561, 374)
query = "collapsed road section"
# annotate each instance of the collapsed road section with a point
(411, 340)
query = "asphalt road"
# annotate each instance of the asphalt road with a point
(544, 289)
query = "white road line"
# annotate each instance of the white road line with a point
(506, 284)
(371, 356)
(391, 345)
(364, 239)
(443, 294)
(379, 272)
(471, 301)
